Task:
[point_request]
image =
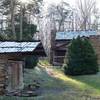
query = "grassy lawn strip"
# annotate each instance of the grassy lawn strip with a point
(87, 83)
(71, 86)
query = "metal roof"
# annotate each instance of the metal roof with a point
(8, 47)
(73, 34)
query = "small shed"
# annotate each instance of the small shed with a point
(12, 56)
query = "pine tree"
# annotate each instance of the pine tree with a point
(19, 17)
(81, 58)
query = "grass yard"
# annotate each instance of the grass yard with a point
(54, 85)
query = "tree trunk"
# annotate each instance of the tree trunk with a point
(21, 22)
(2, 21)
(52, 41)
(13, 19)
(85, 24)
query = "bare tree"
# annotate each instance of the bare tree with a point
(58, 14)
(96, 23)
(85, 9)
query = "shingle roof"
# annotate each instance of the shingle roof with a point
(8, 47)
(72, 34)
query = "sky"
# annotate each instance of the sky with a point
(71, 2)
(25, 1)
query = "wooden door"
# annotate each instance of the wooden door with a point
(15, 77)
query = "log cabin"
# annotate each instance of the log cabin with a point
(12, 54)
(61, 40)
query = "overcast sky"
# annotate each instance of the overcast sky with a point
(71, 2)
(57, 1)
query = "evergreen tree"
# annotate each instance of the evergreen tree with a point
(81, 58)
(19, 18)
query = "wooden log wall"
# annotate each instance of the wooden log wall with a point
(5, 74)
(3, 77)
(61, 49)
(95, 40)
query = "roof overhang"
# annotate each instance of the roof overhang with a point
(21, 49)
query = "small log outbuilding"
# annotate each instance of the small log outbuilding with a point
(61, 40)
(12, 56)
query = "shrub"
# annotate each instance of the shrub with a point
(81, 58)
(31, 62)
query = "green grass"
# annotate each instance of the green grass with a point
(44, 62)
(57, 86)
(92, 81)
(88, 84)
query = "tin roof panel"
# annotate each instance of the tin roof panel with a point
(72, 34)
(7, 47)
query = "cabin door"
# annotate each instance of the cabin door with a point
(15, 75)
